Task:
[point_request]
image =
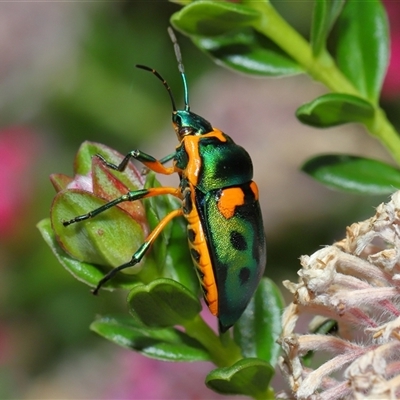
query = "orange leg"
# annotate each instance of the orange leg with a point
(142, 250)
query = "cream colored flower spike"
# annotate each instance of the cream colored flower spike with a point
(355, 282)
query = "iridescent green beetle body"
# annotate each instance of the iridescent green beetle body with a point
(221, 197)
(220, 203)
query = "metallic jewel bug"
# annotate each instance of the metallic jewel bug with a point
(219, 201)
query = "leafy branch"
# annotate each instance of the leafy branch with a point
(252, 38)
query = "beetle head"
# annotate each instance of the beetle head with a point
(187, 123)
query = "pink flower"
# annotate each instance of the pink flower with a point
(143, 378)
(19, 148)
(391, 85)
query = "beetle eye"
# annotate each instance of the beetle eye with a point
(176, 119)
(185, 130)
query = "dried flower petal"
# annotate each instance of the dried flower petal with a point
(355, 283)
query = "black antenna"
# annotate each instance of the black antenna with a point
(165, 83)
(180, 67)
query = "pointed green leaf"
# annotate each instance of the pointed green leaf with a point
(212, 18)
(245, 50)
(324, 16)
(335, 109)
(84, 272)
(161, 344)
(60, 181)
(363, 45)
(258, 328)
(248, 376)
(163, 303)
(353, 174)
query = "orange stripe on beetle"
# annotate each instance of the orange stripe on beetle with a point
(229, 200)
(191, 144)
(254, 189)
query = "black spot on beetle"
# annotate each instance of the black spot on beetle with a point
(195, 254)
(191, 235)
(238, 241)
(187, 203)
(200, 273)
(244, 275)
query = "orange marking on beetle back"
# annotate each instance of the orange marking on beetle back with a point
(216, 133)
(254, 189)
(192, 170)
(229, 200)
(191, 144)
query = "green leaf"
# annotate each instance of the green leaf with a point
(110, 239)
(323, 326)
(60, 181)
(84, 272)
(334, 109)
(163, 303)
(212, 18)
(225, 31)
(353, 174)
(363, 45)
(258, 328)
(324, 17)
(161, 344)
(248, 376)
(245, 50)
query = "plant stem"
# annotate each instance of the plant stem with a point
(323, 69)
(382, 129)
(223, 354)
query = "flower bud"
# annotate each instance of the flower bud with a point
(110, 238)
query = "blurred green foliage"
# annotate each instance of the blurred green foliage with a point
(110, 97)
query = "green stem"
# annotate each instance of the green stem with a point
(382, 129)
(223, 354)
(223, 350)
(322, 68)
